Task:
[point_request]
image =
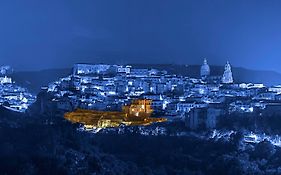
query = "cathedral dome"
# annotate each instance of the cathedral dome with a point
(205, 69)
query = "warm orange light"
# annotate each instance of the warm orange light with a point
(138, 113)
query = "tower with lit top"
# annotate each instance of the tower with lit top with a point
(227, 75)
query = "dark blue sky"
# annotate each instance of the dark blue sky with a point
(39, 34)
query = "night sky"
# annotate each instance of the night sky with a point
(42, 34)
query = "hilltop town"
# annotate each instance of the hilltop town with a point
(158, 107)
(201, 103)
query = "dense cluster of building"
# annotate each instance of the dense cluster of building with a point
(137, 113)
(198, 102)
(12, 96)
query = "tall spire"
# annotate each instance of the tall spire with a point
(227, 75)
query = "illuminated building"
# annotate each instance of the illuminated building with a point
(125, 70)
(137, 113)
(205, 70)
(91, 68)
(139, 72)
(139, 108)
(5, 80)
(227, 75)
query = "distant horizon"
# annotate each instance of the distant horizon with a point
(70, 67)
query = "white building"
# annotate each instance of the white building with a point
(205, 70)
(121, 69)
(90, 68)
(227, 75)
(5, 80)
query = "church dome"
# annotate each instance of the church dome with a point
(205, 69)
